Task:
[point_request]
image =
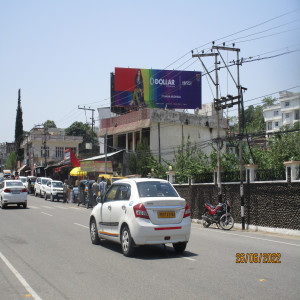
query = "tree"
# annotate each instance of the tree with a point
(11, 161)
(143, 161)
(19, 134)
(269, 101)
(254, 119)
(49, 124)
(84, 130)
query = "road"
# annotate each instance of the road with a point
(46, 253)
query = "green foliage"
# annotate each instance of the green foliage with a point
(254, 119)
(269, 101)
(84, 130)
(132, 164)
(190, 162)
(142, 162)
(49, 124)
(11, 161)
(283, 146)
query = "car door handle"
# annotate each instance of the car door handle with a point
(109, 207)
(123, 207)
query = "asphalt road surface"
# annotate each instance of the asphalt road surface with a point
(46, 253)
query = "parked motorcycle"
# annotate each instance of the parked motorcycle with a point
(219, 215)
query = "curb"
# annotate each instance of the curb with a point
(283, 231)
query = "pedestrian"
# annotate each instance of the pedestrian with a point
(29, 185)
(95, 189)
(65, 190)
(102, 186)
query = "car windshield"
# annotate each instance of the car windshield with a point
(156, 189)
(14, 183)
(44, 181)
(57, 184)
(23, 179)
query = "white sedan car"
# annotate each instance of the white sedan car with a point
(141, 211)
(13, 192)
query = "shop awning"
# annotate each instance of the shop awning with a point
(77, 172)
(22, 168)
(102, 156)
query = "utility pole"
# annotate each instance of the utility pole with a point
(241, 127)
(93, 121)
(217, 108)
(45, 147)
(105, 151)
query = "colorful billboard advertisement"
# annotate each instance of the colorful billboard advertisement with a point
(157, 88)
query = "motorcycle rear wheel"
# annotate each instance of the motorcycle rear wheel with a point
(204, 222)
(226, 222)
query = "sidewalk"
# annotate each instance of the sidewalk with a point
(270, 230)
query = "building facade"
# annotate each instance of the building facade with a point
(5, 150)
(43, 147)
(164, 131)
(284, 113)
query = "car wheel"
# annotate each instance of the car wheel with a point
(179, 247)
(51, 198)
(94, 232)
(41, 195)
(35, 194)
(127, 242)
(25, 205)
(45, 196)
(2, 205)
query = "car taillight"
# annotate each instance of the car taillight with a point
(24, 191)
(7, 191)
(140, 211)
(187, 211)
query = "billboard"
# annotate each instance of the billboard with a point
(96, 166)
(157, 88)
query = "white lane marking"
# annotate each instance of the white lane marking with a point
(189, 258)
(61, 207)
(74, 207)
(255, 238)
(47, 214)
(20, 278)
(47, 207)
(81, 225)
(34, 207)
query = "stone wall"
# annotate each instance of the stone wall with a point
(273, 204)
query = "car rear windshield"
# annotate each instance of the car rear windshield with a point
(14, 183)
(57, 184)
(156, 189)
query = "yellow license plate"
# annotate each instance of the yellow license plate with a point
(166, 214)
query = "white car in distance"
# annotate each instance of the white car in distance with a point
(13, 192)
(39, 187)
(24, 180)
(141, 211)
(54, 190)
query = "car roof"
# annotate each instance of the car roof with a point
(137, 180)
(12, 180)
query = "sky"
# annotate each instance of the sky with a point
(60, 53)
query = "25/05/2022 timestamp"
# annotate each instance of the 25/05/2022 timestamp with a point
(257, 258)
